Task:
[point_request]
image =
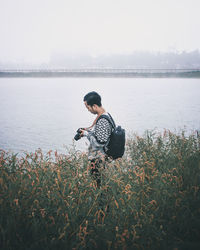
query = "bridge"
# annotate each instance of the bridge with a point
(98, 72)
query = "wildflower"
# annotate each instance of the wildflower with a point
(153, 202)
(56, 181)
(16, 202)
(58, 174)
(128, 186)
(42, 211)
(116, 203)
(61, 235)
(67, 217)
(49, 153)
(48, 194)
(36, 202)
(125, 233)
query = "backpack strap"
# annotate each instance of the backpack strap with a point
(114, 125)
(108, 118)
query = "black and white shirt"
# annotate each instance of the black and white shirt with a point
(98, 137)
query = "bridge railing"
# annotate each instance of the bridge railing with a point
(99, 70)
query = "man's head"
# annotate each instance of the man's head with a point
(92, 102)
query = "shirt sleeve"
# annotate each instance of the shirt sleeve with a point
(102, 130)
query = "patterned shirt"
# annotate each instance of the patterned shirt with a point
(102, 130)
(98, 138)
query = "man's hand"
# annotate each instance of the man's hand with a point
(82, 131)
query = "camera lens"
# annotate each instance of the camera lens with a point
(78, 135)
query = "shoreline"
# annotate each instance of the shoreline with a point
(189, 74)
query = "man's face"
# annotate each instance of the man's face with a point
(91, 109)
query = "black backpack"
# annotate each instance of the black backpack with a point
(115, 146)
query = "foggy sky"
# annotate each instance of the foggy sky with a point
(32, 30)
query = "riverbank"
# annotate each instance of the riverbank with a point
(149, 199)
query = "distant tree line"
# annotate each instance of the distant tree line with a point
(134, 60)
(158, 60)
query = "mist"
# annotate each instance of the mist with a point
(36, 31)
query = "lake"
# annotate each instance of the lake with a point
(46, 112)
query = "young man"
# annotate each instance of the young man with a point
(98, 134)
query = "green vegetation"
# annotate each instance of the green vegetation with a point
(150, 199)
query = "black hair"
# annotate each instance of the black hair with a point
(93, 98)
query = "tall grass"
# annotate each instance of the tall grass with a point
(149, 199)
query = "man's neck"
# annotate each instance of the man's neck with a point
(100, 111)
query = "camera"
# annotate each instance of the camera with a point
(78, 134)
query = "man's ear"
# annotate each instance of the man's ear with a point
(95, 106)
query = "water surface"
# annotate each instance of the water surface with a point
(46, 112)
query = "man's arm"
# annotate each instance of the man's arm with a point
(98, 138)
(102, 130)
